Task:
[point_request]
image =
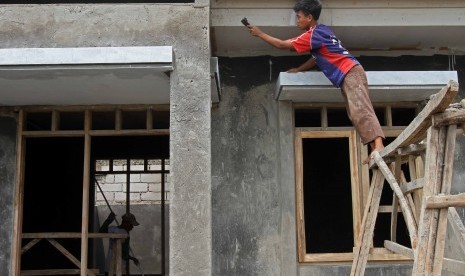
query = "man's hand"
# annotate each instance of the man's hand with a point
(254, 30)
(293, 70)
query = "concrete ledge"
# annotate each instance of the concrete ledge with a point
(385, 86)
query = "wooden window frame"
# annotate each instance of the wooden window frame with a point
(359, 187)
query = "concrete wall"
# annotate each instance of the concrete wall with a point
(186, 28)
(7, 188)
(253, 193)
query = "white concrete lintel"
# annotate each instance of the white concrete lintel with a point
(86, 56)
(385, 86)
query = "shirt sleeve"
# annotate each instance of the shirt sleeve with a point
(302, 43)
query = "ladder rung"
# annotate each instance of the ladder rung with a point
(413, 149)
(412, 186)
(445, 201)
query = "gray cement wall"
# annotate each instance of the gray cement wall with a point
(7, 188)
(186, 28)
(253, 194)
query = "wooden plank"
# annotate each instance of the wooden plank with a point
(300, 216)
(85, 195)
(71, 235)
(324, 117)
(386, 209)
(395, 202)
(54, 272)
(412, 186)
(412, 149)
(18, 197)
(433, 175)
(435, 212)
(149, 119)
(130, 132)
(446, 187)
(457, 227)
(355, 183)
(388, 115)
(406, 211)
(445, 201)
(450, 265)
(376, 254)
(449, 118)
(416, 130)
(399, 249)
(119, 258)
(29, 245)
(368, 224)
(65, 252)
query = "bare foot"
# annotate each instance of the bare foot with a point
(376, 145)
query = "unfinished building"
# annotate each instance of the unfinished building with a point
(170, 110)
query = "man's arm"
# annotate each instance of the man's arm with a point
(309, 64)
(273, 41)
(106, 223)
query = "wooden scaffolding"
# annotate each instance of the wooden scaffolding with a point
(427, 146)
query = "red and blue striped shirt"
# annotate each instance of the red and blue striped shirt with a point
(329, 54)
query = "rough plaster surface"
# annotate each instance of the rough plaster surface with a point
(186, 28)
(7, 187)
(190, 151)
(246, 193)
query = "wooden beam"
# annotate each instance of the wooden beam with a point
(445, 189)
(450, 265)
(412, 149)
(85, 195)
(29, 245)
(416, 130)
(19, 198)
(368, 225)
(300, 216)
(70, 256)
(406, 211)
(449, 118)
(54, 272)
(399, 249)
(445, 201)
(412, 186)
(71, 235)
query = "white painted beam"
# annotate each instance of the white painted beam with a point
(385, 86)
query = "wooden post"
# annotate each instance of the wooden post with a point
(445, 189)
(19, 198)
(85, 195)
(118, 257)
(368, 225)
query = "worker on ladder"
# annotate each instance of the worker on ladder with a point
(127, 224)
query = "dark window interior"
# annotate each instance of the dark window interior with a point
(308, 118)
(402, 116)
(338, 117)
(39, 121)
(71, 120)
(327, 196)
(52, 198)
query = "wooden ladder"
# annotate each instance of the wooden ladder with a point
(427, 146)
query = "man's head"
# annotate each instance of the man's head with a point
(307, 12)
(129, 221)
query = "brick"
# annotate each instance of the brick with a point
(137, 187)
(155, 187)
(156, 178)
(111, 187)
(120, 178)
(110, 178)
(135, 178)
(120, 197)
(134, 197)
(151, 196)
(110, 197)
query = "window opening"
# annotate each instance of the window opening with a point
(327, 196)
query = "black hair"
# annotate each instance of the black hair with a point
(308, 7)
